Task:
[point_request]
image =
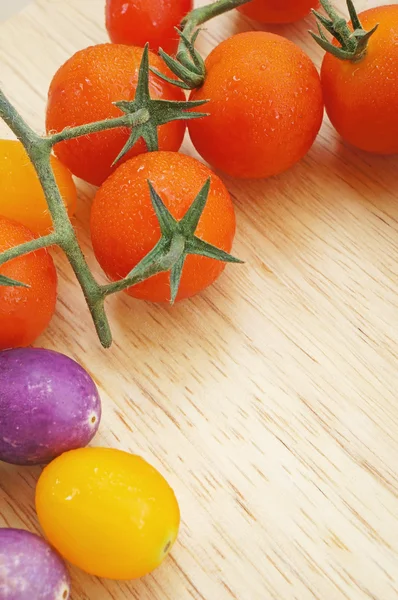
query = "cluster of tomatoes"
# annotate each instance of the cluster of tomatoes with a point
(265, 105)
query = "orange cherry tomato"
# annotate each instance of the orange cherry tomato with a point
(108, 512)
(124, 226)
(21, 195)
(84, 90)
(361, 97)
(137, 22)
(25, 312)
(265, 106)
(278, 11)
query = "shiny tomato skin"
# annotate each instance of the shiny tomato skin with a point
(25, 312)
(122, 516)
(278, 11)
(124, 227)
(136, 22)
(84, 89)
(361, 98)
(21, 195)
(265, 107)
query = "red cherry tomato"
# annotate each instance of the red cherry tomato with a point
(85, 89)
(264, 113)
(362, 97)
(124, 227)
(278, 11)
(136, 22)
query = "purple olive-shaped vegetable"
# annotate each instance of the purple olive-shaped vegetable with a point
(30, 569)
(48, 405)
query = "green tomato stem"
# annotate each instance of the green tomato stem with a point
(203, 14)
(67, 241)
(32, 246)
(130, 120)
(39, 152)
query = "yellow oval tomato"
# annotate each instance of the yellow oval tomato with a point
(108, 512)
(21, 196)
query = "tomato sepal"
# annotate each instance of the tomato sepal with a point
(159, 112)
(353, 42)
(8, 282)
(188, 65)
(177, 241)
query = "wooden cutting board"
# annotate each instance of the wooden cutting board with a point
(270, 401)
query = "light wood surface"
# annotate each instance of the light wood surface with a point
(10, 7)
(270, 402)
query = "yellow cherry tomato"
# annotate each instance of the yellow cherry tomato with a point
(108, 512)
(21, 196)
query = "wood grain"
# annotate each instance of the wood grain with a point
(270, 401)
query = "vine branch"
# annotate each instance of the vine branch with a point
(28, 247)
(142, 116)
(130, 120)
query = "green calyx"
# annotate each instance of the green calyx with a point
(157, 112)
(188, 65)
(353, 41)
(178, 240)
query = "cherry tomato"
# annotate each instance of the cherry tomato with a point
(108, 512)
(25, 312)
(137, 22)
(124, 227)
(84, 90)
(278, 11)
(265, 106)
(21, 195)
(361, 97)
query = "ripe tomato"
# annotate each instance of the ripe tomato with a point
(265, 106)
(84, 89)
(137, 22)
(124, 226)
(21, 195)
(278, 11)
(108, 512)
(25, 312)
(362, 97)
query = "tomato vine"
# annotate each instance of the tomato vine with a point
(143, 116)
